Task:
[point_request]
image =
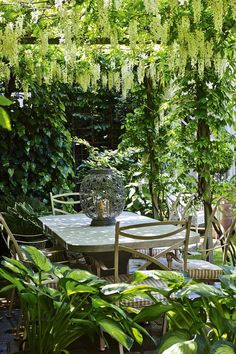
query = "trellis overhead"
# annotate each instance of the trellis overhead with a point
(57, 40)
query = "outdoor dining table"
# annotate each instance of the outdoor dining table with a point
(74, 232)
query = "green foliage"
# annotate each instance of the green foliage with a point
(4, 118)
(125, 162)
(36, 155)
(56, 317)
(200, 109)
(151, 133)
(201, 317)
(94, 115)
(23, 219)
(226, 189)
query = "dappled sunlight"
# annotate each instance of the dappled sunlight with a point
(75, 232)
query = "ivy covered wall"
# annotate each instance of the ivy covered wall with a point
(36, 154)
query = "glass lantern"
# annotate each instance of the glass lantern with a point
(102, 196)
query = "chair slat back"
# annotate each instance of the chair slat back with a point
(180, 206)
(58, 200)
(10, 240)
(229, 249)
(147, 232)
(224, 236)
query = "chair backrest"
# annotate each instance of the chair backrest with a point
(180, 206)
(160, 230)
(223, 231)
(58, 201)
(10, 240)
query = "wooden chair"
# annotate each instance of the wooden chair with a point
(182, 205)
(178, 229)
(58, 201)
(203, 269)
(13, 244)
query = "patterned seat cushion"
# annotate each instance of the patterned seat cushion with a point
(152, 251)
(197, 268)
(200, 269)
(139, 302)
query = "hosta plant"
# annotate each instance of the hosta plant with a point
(201, 317)
(56, 317)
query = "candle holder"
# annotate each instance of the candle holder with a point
(102, 196)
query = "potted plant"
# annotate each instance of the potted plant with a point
(226, 190)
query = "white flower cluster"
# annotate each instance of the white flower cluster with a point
(233, 8)
(156, 28)
(141, 71)
(103, 18)
(44, 43)
(183, 29)
(151, 6)
(133, 33)
(9, 47)
(218, 14)
(95, 74)
(127, 77)
(117, 4)
(197, 9)
(152, 73)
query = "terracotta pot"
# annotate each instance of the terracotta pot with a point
(226, 211)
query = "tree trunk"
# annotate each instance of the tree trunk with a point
(150, 111)
(204, 180)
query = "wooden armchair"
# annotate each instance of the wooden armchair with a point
(178, 230)
(202, 268)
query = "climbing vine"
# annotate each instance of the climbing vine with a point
(51, 41)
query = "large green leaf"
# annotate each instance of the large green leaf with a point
(116, 332)
(142, 288)
(200, 289)
(111, 289)
(29, 298)
(4, 119)
(73, 287)
(37, 258)
(99, 303)
(137, 335)
(228, 269)
(153, 312)
(172, 279)
(174, 338)
(81, 275)
(188, 347)
(229, 281)
(12, 279)
(16, 266)
(5, 101)
(223, 347)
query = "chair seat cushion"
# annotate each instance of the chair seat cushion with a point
(200, 269)
(197, 268)
(152, 251)
(139, 302)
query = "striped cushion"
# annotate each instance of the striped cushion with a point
(51, 283)
(197, 268)
(151, 251)
(200, 269)
(139, 302)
